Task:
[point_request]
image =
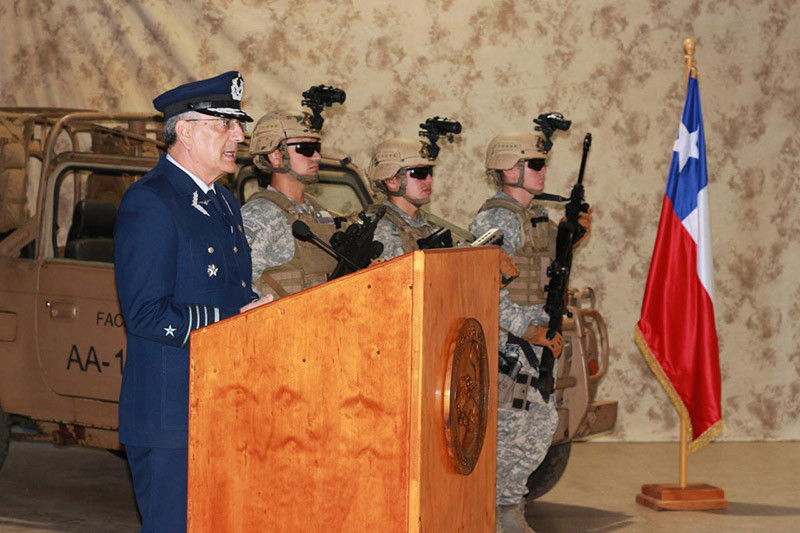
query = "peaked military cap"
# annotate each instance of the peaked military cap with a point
(220, 96)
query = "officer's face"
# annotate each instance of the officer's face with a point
(213, 147)
(301, 162)
(419, 186)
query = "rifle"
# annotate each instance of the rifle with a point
(441, 238)
(356, 244)
(569, 232)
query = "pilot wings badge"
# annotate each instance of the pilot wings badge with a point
(237, 87)
(197, 205)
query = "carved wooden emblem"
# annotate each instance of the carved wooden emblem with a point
(466, 395)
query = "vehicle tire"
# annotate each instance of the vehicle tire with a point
(549, 472)
(5, 435)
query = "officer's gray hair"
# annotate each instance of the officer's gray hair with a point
(170, 135)
(169, 128)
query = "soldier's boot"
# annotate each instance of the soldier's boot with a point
(511, 519)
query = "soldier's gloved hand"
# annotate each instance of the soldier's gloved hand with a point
(537, 335)
(585, 221)
(508, 269)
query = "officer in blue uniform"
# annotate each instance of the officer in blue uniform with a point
(181, 263)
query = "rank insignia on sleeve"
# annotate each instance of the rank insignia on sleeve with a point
(197, 205)
(212, 270)
(169, 331)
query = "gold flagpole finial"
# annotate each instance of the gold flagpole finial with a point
(691, 65)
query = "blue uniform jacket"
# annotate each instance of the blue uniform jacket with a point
(178, 267)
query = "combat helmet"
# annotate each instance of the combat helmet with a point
(508, 149)
(394, 155)
(271, 133)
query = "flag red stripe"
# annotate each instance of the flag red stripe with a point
(678, 322)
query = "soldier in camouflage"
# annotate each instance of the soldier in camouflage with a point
(286, 146)
(526, 423)
(402, 169)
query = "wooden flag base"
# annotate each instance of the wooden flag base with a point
(693, 497)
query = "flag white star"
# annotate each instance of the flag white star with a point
(212, 270)
(686, 145)
(169, 331)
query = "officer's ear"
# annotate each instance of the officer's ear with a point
(183, 129)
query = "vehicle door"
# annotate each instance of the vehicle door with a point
(79, 324)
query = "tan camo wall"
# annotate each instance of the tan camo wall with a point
(614, 67)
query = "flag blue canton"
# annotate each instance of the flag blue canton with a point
(686, 180)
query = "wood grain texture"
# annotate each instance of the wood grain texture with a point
(322, 411)
(670, 496)
(456, 285)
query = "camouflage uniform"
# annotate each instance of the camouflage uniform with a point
(523, 436)
(399, 240)
(269, 234)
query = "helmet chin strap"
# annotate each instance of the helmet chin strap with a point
(305, 179)
(519, 184)
(401, 193)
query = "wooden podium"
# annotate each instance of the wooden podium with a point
(364, 405)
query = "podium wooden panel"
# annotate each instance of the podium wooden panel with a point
(323, 411)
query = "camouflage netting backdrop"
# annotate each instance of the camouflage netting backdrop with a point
(614, 68)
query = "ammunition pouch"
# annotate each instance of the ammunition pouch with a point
(512, 393)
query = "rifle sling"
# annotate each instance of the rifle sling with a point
(545, 382)
(461, 233)
(274, 285)
(526, 347)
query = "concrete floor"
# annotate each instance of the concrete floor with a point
(48, 489)
(599, 487)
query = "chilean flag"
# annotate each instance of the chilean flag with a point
(676, 332)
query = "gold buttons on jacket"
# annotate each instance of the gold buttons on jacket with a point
(211, 249)
(235, 249)
(244, 285)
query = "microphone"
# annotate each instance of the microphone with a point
(301, 230)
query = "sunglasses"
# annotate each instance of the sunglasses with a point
(306, 148)
(536, 164)
(420, 173)
(226, 123)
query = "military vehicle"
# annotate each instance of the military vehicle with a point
(62, 338)
(61, 330)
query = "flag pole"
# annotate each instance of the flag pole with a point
(691, 68)
(681, 496)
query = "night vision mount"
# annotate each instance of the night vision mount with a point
(439, 127)
(319, 97)
(548, 123)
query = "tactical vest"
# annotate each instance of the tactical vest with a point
(408, 234)
(310, 265)
(534, 257)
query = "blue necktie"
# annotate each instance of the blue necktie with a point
(218, 205)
